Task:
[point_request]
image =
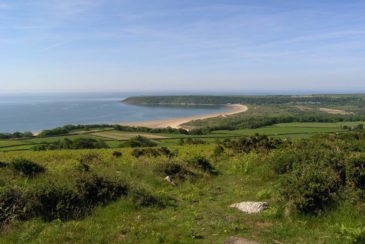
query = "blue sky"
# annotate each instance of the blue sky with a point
(182, 45)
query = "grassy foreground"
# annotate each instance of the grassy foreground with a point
(195, 210)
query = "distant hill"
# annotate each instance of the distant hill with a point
(259, 100)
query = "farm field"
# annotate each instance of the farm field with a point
(114, 138)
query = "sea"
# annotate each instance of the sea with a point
(37, 112)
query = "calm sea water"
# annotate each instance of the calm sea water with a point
(39, 112)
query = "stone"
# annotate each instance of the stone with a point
(169, 179)
(250, 207)
(239, 240)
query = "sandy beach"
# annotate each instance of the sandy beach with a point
(177, 122)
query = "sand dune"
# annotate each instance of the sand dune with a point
(176, 123)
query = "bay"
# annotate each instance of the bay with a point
(36, 112)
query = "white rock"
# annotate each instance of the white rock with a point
(250, 207)
(239, 240)
(169, 179)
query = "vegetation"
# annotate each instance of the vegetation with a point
(139, 141)
(314, 187)
(78, 143)
(26, 167)
(312, 99)
(16, 135)
(64, 130)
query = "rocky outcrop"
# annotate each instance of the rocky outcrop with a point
(250, 207)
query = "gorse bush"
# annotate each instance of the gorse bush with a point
(202, 163)
(218, 150)
(3, 165)
(49, 201)
(95, 189)
(140, 141)
(27, 167)
(259, 143)
(310, 188)
(117, 154)
(356, 172)
(153, 152)
(90, 158)
(12, 204)
(83, 167)
(173, 170)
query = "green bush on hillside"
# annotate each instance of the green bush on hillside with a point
(49, 201)
(173, 170)
(12, 205)
(27, 167)
(94, 189)
(356, 172)
(259, 143)
(117, 154)
(139, 141)
(203, 164)
(310, 188)
(153, 152)
(3, 165)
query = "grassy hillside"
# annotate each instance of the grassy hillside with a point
(194, 209)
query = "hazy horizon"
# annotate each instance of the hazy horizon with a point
(186, 92)
(178, 46)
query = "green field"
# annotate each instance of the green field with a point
(114, 138)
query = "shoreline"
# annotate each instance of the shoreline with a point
(177, 122)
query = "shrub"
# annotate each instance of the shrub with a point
(11, 205)
(117, 154)
(3, 165)
(258, 143)
(356, 172)
(87, 143)
(140, 141)
(51, 202)
(203, 164)
(153, 152)
(176, 171)
(141, 198)
(27, 167)
(310, 188)
(83, 167)
(218, 150)
(283, 161)
(94, 189)
(90, 158)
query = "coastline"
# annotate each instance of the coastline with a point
(177, 122)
